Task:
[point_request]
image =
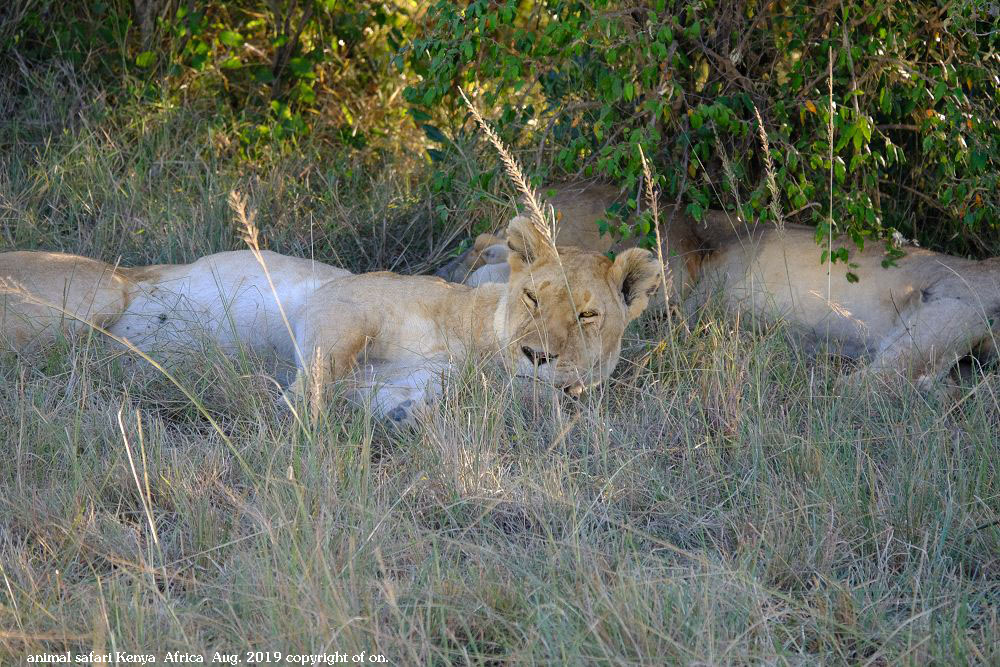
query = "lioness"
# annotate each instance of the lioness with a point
(916, 318)
(559, 318)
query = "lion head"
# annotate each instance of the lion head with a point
(566, 308)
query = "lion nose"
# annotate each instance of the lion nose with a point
(538, 357)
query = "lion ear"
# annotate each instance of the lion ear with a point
(636, 273)
(526, 241)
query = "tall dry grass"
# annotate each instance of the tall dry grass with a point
(715, 503)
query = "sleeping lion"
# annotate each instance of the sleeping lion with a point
(916, 318)
(559, 318)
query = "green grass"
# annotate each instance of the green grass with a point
(715, 503)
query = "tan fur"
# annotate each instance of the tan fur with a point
(916, 318)
(43, 293)
(392, 335)
(392, 317)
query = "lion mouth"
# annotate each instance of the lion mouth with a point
(572, 389)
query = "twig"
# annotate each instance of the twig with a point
(917, 193)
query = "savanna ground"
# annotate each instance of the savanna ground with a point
(717, 502)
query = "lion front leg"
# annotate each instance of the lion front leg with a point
(331, 358)
(400, 392)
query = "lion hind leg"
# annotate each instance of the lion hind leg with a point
(43, 293)
(487, 249)
(928, 344)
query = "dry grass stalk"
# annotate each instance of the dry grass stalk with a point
(772, 184)
(251, 236)
(652, 201)
(15, 289)
(545, 224)
(829, 129)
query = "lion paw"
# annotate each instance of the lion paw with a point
(495, 254)
(401, 412)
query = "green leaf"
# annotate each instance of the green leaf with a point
(838, 169)
(939, 90)
(696, 211)
(305, 94)
(263, 74)
(231, 38)
(434, 134)
(145, 59)
(846, 136)
(198, 61)
(301, 67)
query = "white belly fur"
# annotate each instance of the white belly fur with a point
(225, 300)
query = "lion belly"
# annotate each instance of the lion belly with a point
(224, 300)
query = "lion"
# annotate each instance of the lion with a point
(558, 319)
(913, 316)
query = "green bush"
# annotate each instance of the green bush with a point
(916, 131)
(278, 69)
(579, 86)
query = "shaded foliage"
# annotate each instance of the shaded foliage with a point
(577, 87)
(279, 68)
(916, 131)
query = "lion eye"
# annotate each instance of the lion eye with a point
(530, 299)
(588, 315)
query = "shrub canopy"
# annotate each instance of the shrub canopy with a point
(908, 88)
(916, 130)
